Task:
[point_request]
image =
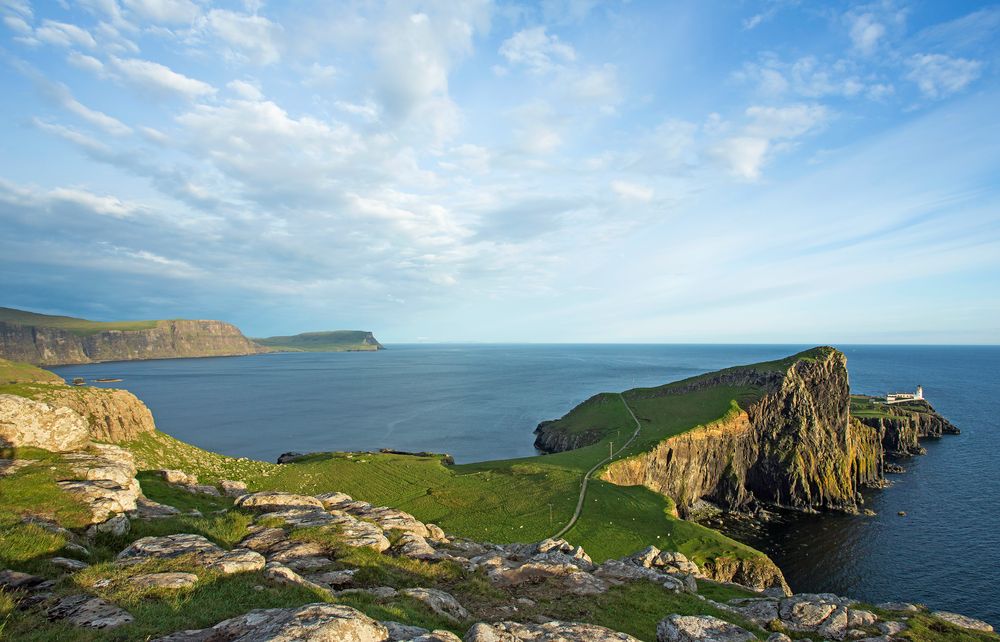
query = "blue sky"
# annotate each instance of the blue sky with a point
(569, 170)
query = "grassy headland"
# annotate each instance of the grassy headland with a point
(332, 341)
(79, 327)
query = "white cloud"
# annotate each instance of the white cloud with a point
(87, 63)
(807, 76)
(103, 205)
(96, 118)
(164, 11)
(16, 23)
(157, 78)
(414, 53)
(632, 191)
(938, 75)
(248, 37)
(785, 122)
(866, 32)
(743, 155)
(63, 34)
(367, 111)
(536, 50)
(767, 130)
(20, 7)
(245, 89)
(598, 84)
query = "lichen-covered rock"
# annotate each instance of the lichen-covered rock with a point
(274, 500)
(415, 547)
(700, 628)
(89, 611)
(232, 488)
(444, 604)
(114, 416)
(105, 498)
(176, 477)
(28, 423)
(16, 580)
(202, 551)
(93, 467)
(70, 565)
(169, 581)
(148, 509)
(829, 616)
(312, 622)
(281, 574)
(548, 632)
(963, 621)
(115, 526)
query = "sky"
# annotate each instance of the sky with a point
(489, 171)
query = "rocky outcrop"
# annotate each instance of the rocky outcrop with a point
(113, 416)
(196, 548)
(309, 622)
(829, 616)
(548, 632)
(549, 438)
(693, 628)
(28, 423)
(794, 446)
(902, 426)
(166, 340)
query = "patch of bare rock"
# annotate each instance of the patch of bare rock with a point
(195, 547)
(28, 423)
(315, 622)
(548, 632)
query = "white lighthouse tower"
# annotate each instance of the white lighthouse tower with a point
(920, 393)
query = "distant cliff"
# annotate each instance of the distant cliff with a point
(330, 341)
(40, 343)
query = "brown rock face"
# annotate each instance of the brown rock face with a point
(796, 446)
(169, 339)
(113, 415)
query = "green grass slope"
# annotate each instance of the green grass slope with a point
(80, 327)
(14, 372)
(332, 341)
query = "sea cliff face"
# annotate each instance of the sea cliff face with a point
(796, 446)
(168, 339)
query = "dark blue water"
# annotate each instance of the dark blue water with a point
(482, 402)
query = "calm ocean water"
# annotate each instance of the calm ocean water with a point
(481, 402)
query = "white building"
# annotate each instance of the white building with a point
(898, 397)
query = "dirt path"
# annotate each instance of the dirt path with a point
(586, 477)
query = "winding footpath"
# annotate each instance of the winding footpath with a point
(586, 477)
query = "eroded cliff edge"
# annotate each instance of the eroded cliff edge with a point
(165, 340)
(793, 444)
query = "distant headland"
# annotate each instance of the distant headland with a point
(43, 339)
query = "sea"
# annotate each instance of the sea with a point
(482, 402)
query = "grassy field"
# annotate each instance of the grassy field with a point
(333, 341)
(81, 327)
(13, 372)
